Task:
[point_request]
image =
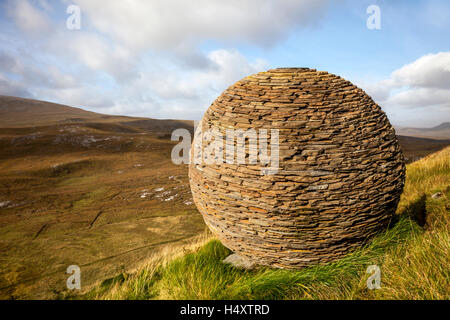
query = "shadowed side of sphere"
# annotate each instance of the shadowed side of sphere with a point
(341, 171)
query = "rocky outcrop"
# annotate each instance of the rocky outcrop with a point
(340, 176)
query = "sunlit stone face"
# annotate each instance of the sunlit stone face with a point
(335, 174)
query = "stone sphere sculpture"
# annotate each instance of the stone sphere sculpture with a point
(338, 179)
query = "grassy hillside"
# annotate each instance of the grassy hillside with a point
(413, 256)
(414, 148)
(82, 188)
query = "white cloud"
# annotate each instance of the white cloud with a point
(170, 23)
(94, 52)
(422, 86)
(421, 98)
(175, 93)
(27, 17)
(33, 75)
(429, 71)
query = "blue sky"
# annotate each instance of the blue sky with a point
(171, 59)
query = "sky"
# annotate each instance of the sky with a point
(171, 59)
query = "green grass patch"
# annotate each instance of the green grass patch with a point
(77, 181)
(89, 198)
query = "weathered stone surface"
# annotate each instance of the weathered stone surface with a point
(341, 171)
(239, 261)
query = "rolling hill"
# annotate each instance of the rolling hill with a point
(28, 113)
(441, 131)
(74, 185)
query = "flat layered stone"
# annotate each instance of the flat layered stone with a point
(340, 174)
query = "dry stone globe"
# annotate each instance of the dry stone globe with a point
(340, 168)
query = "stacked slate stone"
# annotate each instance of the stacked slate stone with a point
(341, 171)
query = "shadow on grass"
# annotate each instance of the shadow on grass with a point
(416, 211)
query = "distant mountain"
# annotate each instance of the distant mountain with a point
(442, 126)
(441, 131)
(18, 112)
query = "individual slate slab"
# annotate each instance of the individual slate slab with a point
(340, 176)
